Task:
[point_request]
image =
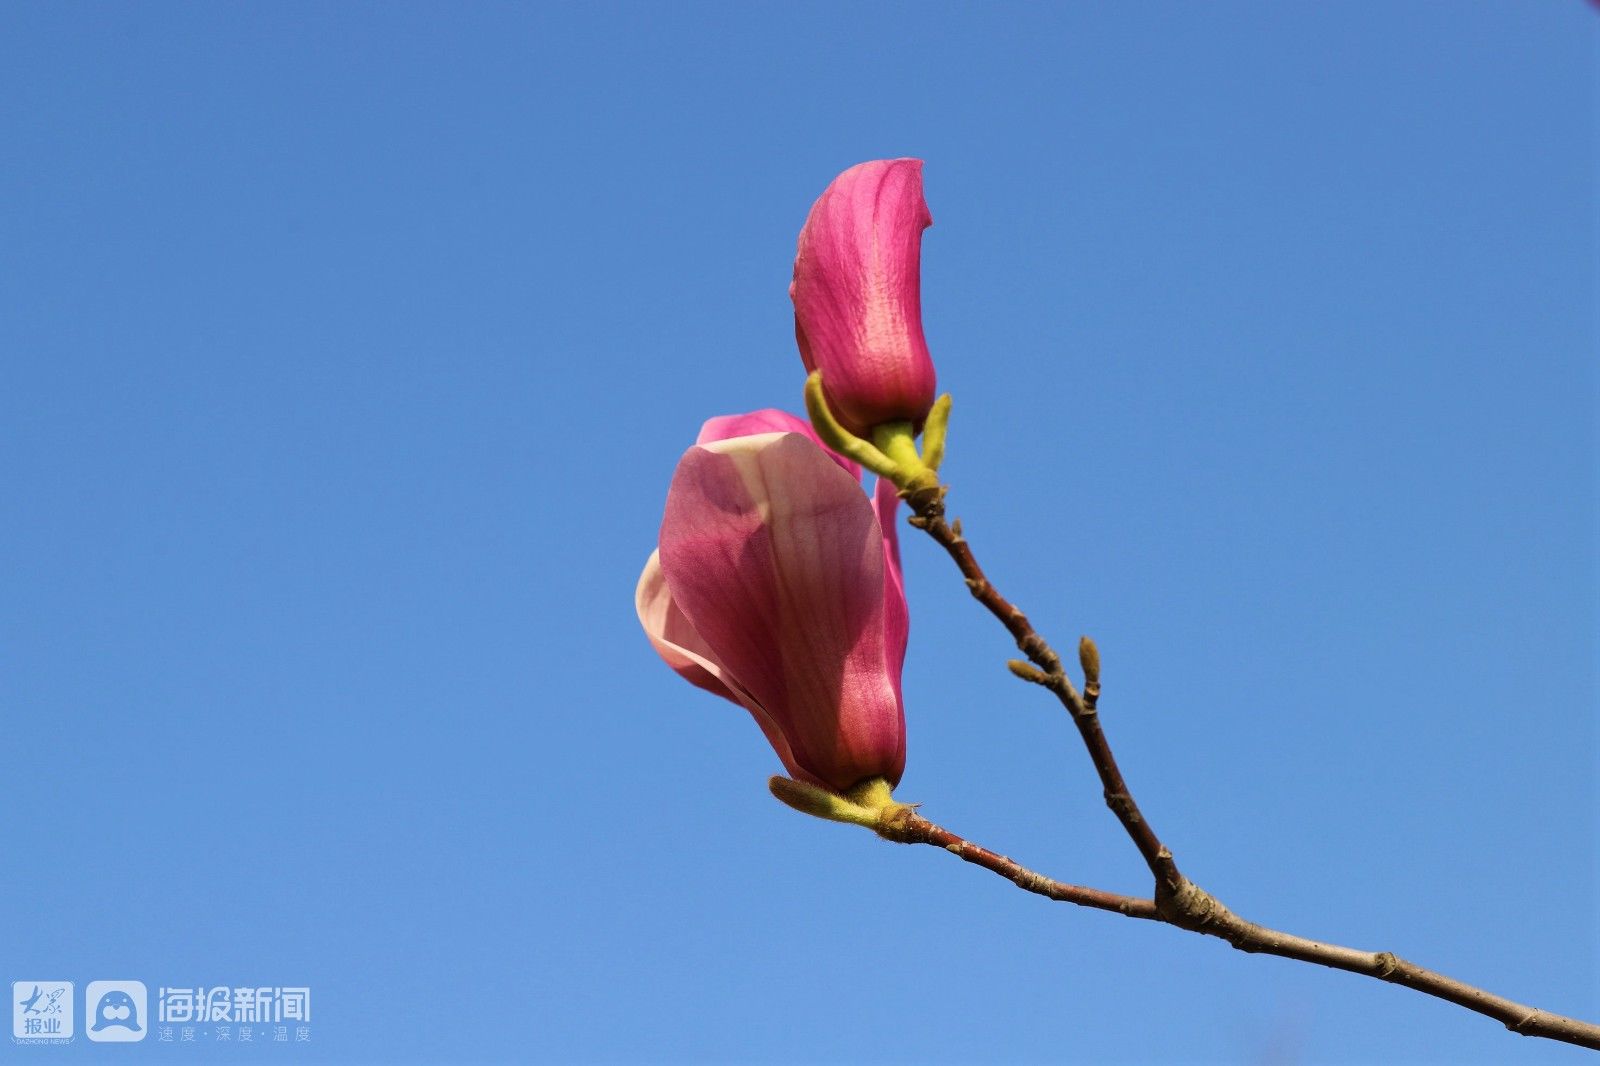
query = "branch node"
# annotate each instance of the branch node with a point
(1033, 645)
(902, 825)
(1388, 962)
(1188, 906)
(926, 502)
(1122, 804)
(1521, 1027)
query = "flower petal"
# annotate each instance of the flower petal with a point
(857, 294)
(676, 641)
(768, 420)
(896, 613)
(775, 557)
(672, 636)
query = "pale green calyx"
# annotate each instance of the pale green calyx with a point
(892, 452)
(933, 431)
(866, 805)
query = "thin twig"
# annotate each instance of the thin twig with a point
(905, 826)
(927, 507)
(1200, 912)
(1178, 901)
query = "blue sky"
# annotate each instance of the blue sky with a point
(348, 352)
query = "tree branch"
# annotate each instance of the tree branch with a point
(927, 507)
(905, 826)
(1178, 901)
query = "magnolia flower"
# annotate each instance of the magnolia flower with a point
(857, 295)
(777, 586)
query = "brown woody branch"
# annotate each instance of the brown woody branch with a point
(905, 826)
(1178, 901)
(927, 507)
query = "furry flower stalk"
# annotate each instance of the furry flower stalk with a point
(776, 585)
(857, 293)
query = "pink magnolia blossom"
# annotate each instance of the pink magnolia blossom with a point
(777, 586)
(857, 295)
(768, 420)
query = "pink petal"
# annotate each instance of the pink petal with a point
(768, 420)
(775, 557)
(676, 641)
(671, 634)
(896, 614)
(857, 294)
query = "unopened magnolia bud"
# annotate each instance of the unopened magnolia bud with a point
(1089, 659)
(1027, 671)
(857, 295)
